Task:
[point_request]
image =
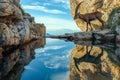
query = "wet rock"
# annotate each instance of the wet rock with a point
(84, 36)
(89, 38)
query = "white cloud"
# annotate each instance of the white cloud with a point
(39, 3)
(52, 65)
(30, 68)
(51, 40)
(47, 4)
(61, 1)
(56, 23)
(55, 60)
(36, 3)
(48, 48)
(42, 8)
(61, 76)
(65, 2)
(55, 47)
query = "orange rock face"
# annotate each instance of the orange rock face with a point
(96, 63)
(91, 6)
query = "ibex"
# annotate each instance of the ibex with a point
(88, 17)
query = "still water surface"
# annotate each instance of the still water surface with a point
(51, 62)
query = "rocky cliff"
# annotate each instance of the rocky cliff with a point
(89, 6)
(19, 36)
(16, 26)
(96, 63)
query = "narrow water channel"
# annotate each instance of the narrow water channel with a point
(51, 62)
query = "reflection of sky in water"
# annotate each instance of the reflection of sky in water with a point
(50, 63)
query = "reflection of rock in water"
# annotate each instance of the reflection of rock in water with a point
(88, 58)
(101, 64)
(12, 64)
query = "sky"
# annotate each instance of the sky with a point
(55, 14)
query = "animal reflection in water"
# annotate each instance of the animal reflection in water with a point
(88, 58)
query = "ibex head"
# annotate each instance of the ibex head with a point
(76, 11)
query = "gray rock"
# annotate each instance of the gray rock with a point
(118, 29)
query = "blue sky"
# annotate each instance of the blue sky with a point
(55, 14)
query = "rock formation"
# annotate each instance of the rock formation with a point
(17, 30)
(16, 26)
(90, 6)
(108, 67)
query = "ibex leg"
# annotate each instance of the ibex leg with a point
(101, 21)
(91, 26)
(87, 27)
